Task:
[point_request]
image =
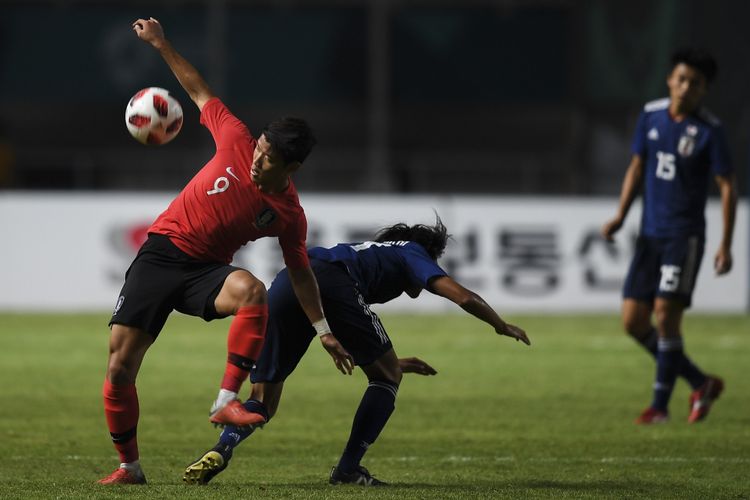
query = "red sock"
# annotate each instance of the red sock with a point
(121, 410)
(244, 342)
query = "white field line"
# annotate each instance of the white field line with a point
(507, 458)
(573, 460)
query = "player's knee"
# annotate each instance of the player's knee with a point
(635, 327)
(398, 376)
(127, 347)
(391, 374)
(121, 369)
(667, 323)
(247, 290)
(384, 369)
(636, 324)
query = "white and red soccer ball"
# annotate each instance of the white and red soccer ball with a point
(153, 116)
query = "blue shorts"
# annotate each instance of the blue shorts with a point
(664, 267)
(289, 330)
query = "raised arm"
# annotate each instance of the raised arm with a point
(151, 32)
(728, 192)
(631, 184)
(306, 289)
(447, 287)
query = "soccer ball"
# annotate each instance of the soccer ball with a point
(153, 116)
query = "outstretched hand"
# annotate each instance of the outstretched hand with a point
(149, 30)
(342, 359)
(513, 331)
(415, 365)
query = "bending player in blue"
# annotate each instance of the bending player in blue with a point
(401, 259)
(678, 148)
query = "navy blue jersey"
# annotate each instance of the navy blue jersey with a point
(384, 270)
(680, 160)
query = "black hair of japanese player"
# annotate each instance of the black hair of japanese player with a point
(432, 238)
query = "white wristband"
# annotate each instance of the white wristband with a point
(321, 326)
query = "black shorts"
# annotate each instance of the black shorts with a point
(163, 278)
(664, 267)
(289, 330)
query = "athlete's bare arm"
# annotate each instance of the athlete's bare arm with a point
(447, 287)
(306, 289)
(631, 184)
(728, 191)
(151, 32)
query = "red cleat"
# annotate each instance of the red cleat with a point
(233, 413)
(702, 398)
(652, 416)
(124, 476)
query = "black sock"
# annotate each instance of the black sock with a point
(649, 341)
(692, 373)
(374, 411)
(232, 436)
(686, 369)
(667, 364)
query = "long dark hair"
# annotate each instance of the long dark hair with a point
(432, 238)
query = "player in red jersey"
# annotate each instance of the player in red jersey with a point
(243, 193)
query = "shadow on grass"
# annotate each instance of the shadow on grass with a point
(479, 485)
(539, 486)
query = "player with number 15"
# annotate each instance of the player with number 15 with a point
(678, 148)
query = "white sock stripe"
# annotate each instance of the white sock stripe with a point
(381, 383)
(376, 324)
(658, 386)
(670, 344)
(393, 389)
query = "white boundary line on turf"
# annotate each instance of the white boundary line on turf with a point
(459, 458)
(667, 459)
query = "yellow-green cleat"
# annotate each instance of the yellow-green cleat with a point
(205, 468)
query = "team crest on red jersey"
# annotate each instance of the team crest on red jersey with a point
(265, 218)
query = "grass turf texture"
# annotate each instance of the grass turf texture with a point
(500, 419)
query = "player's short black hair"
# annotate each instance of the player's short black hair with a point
(292, 138)
(698, 59)
(432, 238)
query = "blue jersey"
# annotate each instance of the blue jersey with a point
(383, 271)
(680, 160)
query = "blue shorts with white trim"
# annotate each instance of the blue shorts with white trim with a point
(289, 331)
(664, 267)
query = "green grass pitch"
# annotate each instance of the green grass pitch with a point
(500, 420)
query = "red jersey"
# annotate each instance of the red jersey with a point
(221, 208)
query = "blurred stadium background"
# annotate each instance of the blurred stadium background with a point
(510, 107)
(511, 118)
